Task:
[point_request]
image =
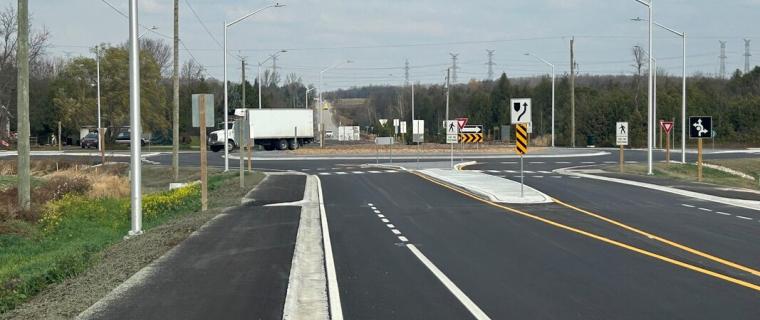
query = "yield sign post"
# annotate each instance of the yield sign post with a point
(667, 126)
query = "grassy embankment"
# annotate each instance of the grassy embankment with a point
(688, 172)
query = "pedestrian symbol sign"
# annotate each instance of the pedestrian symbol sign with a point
(621, 133)
(452, 131)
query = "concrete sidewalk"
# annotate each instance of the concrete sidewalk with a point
(493, 188)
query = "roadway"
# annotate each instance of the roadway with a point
(408, 248)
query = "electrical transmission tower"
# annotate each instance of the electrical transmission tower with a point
(490, 64)
(454, 57)
(406, 71)
(274, 69)
(722, 59)
(746, 55)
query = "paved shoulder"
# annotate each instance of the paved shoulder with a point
(235, 267)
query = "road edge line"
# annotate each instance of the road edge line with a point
(333, 291)
(458, 293)
(747, 204)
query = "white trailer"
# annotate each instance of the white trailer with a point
(271, 128)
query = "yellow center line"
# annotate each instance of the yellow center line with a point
(663, 240)
(603, 239)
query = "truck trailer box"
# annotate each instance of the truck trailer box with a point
(281, 123)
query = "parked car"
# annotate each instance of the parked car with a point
(90, 141)
(124, 138)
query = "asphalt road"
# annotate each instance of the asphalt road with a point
(509, 265)
(407, 248)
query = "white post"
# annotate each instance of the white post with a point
(226, 139)
(649, 98)
(655, 121)
(97, 63)
(448, 74)
(134, 123)
(321, 118)
(553, 88)
(683, 103)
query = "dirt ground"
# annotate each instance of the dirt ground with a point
(409, 149)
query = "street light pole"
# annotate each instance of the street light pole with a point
(226, 95)
(321, 108)
(134, 123)
(683, 90)
(100, 127)
(650, 5)
(307, 97)
(553, 88)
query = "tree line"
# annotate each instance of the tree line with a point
(601, 101)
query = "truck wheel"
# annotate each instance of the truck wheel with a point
(282, 144)
(230, 146)
(292, 145)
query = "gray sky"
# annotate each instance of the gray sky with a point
(378, 35)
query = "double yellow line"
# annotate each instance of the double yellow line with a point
(624, 245)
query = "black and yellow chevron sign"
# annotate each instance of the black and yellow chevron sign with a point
(470, 138)
(521, 138)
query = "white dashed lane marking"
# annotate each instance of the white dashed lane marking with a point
(705, 209)
(743, 217)
(723, 213)
(687, 205)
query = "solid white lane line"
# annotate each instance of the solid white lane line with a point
(376, 211)
(493, 171)
(333, 293)
(396, 232)
(687, 205)
(324, 173)
(384, 220)
(371, 205)
(374, 171)
(723, 213)
(380, 216)
(537, 162)
(743, 217)
(357, 172)
(461, 296)
(705, 209)
(402, 238)
(390, 226)
(563, 162)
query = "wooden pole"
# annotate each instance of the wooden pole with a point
(241, 164)
(667, 148)
(204, 160)
(699, 160)
(60, 142)
(622, 158)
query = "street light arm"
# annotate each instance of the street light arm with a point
(680, 34)
(540, 59)
(648, 4)
(276, 5)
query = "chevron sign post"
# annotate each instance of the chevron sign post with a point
(521, 147)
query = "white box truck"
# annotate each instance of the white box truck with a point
(270, 128)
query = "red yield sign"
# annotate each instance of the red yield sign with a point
(667, 126)
(461, 122)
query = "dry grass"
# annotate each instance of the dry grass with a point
(409, 149)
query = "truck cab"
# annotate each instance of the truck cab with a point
(216, 141)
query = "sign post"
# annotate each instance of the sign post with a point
(621, 135)
(521, 147)
(667, 126)
(203, 116)
(452, 131)
(699, 128)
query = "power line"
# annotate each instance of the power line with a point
(197, 17)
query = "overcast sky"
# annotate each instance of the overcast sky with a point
(379, 35)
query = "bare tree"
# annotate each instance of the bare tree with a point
(161, 52)
(191, 71)
(638, 64)
(38, 43)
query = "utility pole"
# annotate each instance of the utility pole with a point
(490, 64)
(722, 59)
(746, 55)
(175, 102)
(572, 92)
(135, 126)
(454, 57)
(406, 71)
(242, 61)
(22, 60)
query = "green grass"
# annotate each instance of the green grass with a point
(35, 256)
(688, 172)
(748, 166)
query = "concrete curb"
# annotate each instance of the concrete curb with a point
(424, 157)
(747, 204)
(533, 196)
